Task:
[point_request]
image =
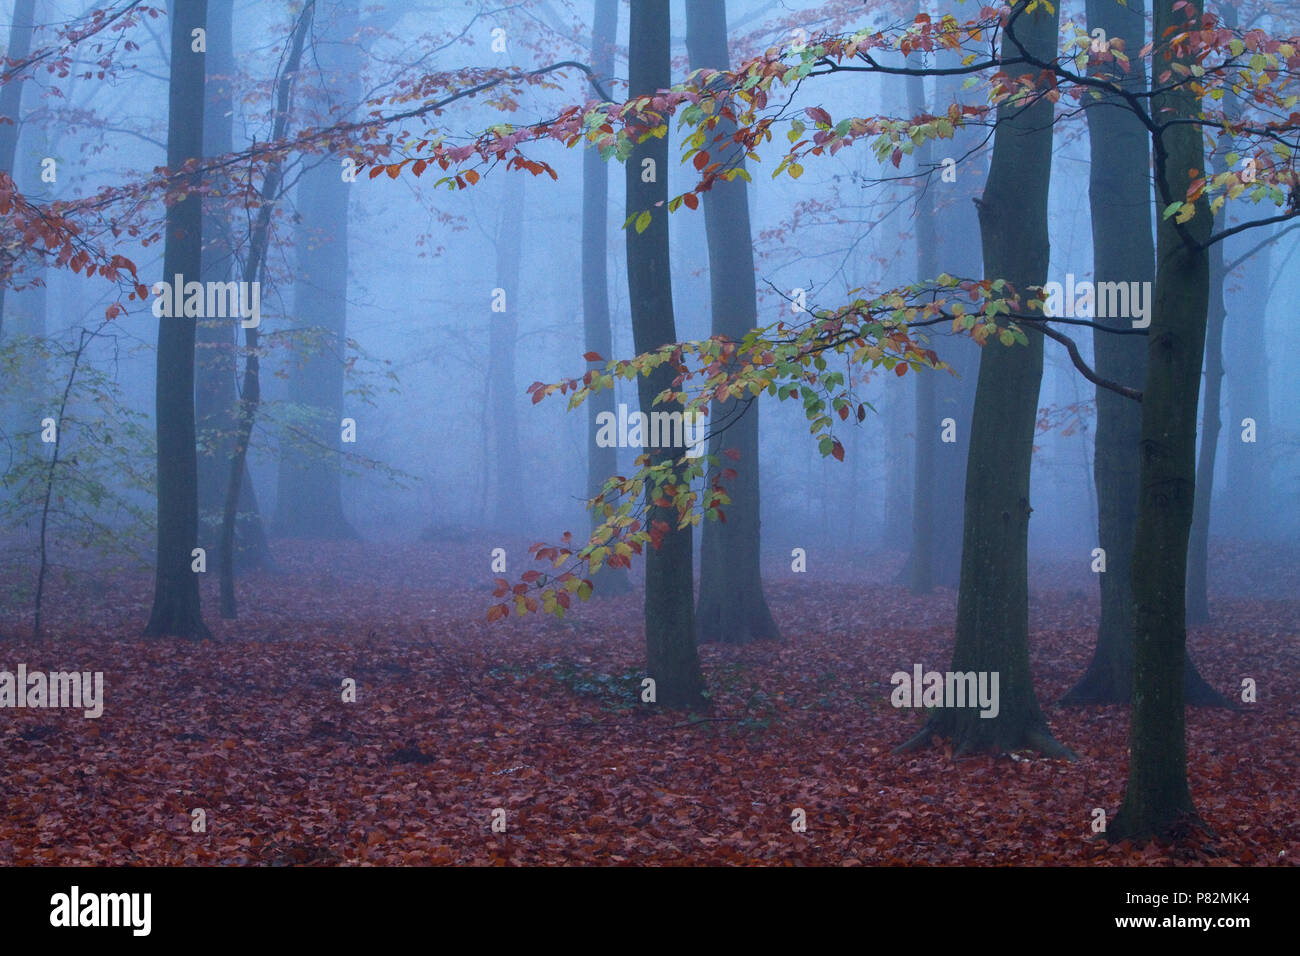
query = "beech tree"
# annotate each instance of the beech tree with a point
(1121, 203)
(732, 607)
(176, 608)
(1157, 799)
(992, 633)
(597, 334)
(215, 396)
(671, 659)
(11, 98)
(309, 500)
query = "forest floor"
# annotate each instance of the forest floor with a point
(455, 717)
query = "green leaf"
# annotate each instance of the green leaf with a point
(643, 221)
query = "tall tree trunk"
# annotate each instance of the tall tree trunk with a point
(1157, 799)
(1123, 251)
(1198, 545)
(993, 599)
(602, 463)
(176, 608)
(309, 503)
(928, 431)
(1198, 554)
(958, 220)
(11, 99)
(732, 607)
(26, 309)
(1249, 497)
(671, 657)
(259, 237)
(946, 218)
(214, 360)
(509, 507)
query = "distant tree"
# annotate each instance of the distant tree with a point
(509, 509)
(946, 218)
(1123, 245)
(21, 28)
(309, 502)
(214, 395)
(597, 334)
(254, 271)
(732, 607)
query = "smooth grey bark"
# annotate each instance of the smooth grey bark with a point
(254, 270)
(176, 607)
(671, 659)
(992, 633)
(1198, 548)
(946, 218)
(924, 485)
(1247, 500)
(215, 338)
(1198, 545)
(732, 607)
(958, 220)
(509, 509)
(602, 463)
(1123, 243)
(11, 98)
(309, 503)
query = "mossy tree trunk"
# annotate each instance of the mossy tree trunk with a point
(1157, 800)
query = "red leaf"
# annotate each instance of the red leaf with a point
(818, 115)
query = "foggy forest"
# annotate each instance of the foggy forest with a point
(665, 432)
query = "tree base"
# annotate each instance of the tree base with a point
(610, 583)
(1178, 827)
(1002, 740)
(736, 622)
(1100, 686)
(176, 619)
